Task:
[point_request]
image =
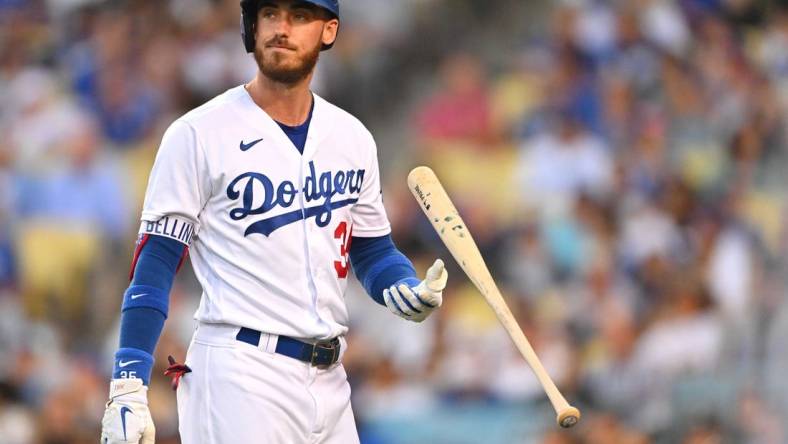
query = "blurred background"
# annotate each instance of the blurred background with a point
(622, 165)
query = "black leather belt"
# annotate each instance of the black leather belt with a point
(322, 354)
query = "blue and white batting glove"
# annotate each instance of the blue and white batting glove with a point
(127, 419)
(416, 303)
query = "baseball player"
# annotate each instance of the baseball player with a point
(275, 193)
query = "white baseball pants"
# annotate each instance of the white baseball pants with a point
(241, 394)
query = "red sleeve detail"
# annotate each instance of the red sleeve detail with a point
(183, 259)
(140, 243)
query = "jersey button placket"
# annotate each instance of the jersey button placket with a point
(309, 228)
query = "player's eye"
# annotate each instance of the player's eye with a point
(268, 13)
(302, 15)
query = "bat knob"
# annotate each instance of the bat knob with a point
(568, 417)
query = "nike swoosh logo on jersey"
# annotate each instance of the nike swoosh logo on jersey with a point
(122, 364)
(135, 296)
(245, 146)
(123, 411)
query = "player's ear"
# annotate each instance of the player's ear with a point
(330, 29)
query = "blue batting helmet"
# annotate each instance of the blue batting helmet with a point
(249, 18)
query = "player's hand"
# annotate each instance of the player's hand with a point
(127, 419)
(416, 303)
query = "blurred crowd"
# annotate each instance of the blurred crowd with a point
(621, 164)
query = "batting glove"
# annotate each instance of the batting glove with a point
(415, 304)
(127, 419)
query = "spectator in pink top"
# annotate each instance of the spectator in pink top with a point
(460, 109)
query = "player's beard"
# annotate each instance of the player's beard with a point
(275, 66)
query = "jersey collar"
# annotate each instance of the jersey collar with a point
(319, 128)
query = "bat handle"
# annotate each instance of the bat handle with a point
(568, 416)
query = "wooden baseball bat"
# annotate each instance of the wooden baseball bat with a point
(437, 205)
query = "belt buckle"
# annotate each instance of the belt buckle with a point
(332, 345)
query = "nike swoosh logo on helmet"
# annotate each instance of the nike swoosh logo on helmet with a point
(245, 146)
(123, 411)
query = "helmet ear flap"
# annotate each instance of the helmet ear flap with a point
(248, 19)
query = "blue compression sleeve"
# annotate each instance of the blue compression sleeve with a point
(379, 265)
(145, 306)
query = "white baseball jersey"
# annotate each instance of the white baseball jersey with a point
(268, 227)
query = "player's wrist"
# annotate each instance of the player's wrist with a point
(411, 282)
(129, 389)
(132, 363)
